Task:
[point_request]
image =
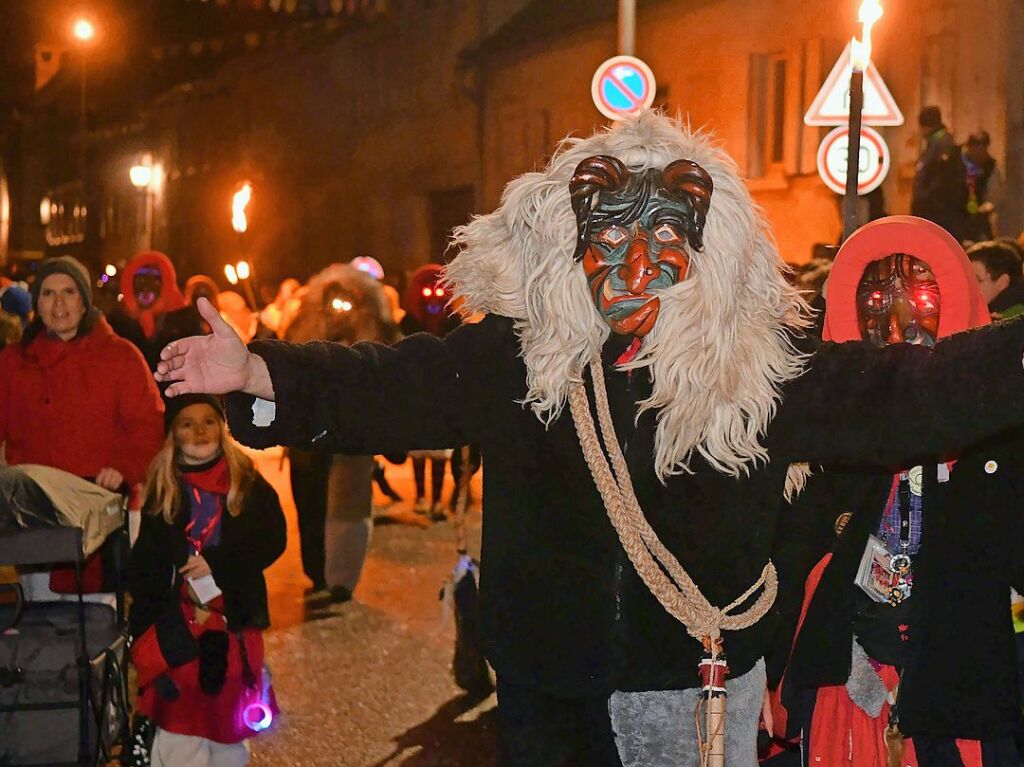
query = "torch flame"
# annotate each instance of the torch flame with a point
(869, 12)
(239, 202)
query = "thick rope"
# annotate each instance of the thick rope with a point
(659, 569)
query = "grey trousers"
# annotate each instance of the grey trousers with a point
(658, 728)
(348, 527)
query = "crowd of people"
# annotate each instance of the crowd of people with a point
(718, 528)
(77, 393)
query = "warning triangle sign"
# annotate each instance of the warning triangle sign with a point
(832, 104)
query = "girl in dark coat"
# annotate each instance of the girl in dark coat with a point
(211, 525)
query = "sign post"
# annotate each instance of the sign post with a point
(872, 161)
(622, 86)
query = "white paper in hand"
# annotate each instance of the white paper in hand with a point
(205, 589)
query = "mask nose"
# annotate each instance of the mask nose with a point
(637, 271)
(900, 317)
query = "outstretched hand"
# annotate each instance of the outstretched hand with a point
(213, 364)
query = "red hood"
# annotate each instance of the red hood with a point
(427, 276)
(170, 295)
(962, 306)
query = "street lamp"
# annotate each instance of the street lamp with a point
(83, 31)
(141, 176)
(869, 12)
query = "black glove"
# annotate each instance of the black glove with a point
(213, 661)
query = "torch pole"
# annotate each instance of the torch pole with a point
(853, 155)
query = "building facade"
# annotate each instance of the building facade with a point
(377, 138)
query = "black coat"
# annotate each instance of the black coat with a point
(249, 543)
(960, 678)
(562, 608)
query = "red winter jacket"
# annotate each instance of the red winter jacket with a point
(80, 405)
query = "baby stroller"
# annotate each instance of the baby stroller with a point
(63, 683)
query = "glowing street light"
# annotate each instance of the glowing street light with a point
(231, 274)
(83, 30)
(242, 269)
(111, 270)
(141, 175)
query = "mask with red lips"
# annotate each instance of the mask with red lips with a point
(633, 230)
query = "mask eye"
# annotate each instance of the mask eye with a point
(923, 302)
(666, 233)
(438, 292)
(875, 301)
(613, 236)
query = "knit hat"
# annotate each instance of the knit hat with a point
(17, 301)
(174, 405)
(70, 266)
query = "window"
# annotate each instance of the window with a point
(766, 132)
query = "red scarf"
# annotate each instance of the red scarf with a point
(215, 479)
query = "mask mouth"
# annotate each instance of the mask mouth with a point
(146, 298)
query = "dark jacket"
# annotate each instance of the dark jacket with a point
(940, 184)
(1010, 302)
(249, 543)
(562, 608)
(960, 677)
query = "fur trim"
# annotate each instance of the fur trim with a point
(369, 320)
(720, 349)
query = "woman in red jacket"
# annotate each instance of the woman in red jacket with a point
(72, 394)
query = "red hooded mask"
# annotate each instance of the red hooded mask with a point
(427, 301)
(170, 298)
(962, 307)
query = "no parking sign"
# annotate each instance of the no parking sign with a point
(872, 164)
(622, 86)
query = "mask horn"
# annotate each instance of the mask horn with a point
(685, 177)
(592, 176)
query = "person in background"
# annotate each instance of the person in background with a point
(984, 188)
(213, 522)
(154, 311)
(17, 301)
(940, 184)
(427, 310)
(75, 396)
(277, 314)
(997, 266)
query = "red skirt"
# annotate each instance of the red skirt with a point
(228, 716)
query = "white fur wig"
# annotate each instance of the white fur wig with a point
(719, 350)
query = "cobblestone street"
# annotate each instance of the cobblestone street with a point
(367, 683)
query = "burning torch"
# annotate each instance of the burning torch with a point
(860, 56)
(240, 223)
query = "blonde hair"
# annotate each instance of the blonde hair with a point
(721, 347)
(162, 494)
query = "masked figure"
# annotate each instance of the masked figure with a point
(638, 392)
(333, 493)
(426, 303)
(154, 311)
(426, 310)
(916, 549)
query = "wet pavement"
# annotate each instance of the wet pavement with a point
(367, 683)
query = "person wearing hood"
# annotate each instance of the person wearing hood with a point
(427, 311)
(916, 548)
(154, 310)
(73, 395)
(639, 391)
